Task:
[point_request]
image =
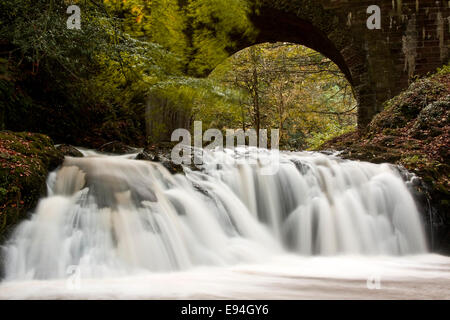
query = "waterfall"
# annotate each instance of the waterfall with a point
(114, 216)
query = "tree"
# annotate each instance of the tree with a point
(291, 88)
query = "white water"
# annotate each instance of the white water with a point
(113, 217)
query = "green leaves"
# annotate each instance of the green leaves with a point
(213, 23)
(157, 21)
(291, 88)
(132, 65)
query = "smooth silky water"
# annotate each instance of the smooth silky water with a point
(320, 227)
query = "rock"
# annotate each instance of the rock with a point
(25, 161)
(69, 151)
(161, 153)
(169, 165)
(433, 115)
(116, 147)
(146, 156)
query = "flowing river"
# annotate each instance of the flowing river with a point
(316, 228)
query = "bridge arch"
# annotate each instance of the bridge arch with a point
(413, 40)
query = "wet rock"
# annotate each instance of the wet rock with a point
(169, 165)
(161, 153)
(146, 156)
(69, 151)
(116, 147)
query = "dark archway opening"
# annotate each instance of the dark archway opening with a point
(277, 26)
(288, 87)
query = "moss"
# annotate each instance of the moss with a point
(390, 132)
(25, 160)
(414, 159)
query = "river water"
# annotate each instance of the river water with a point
(246, 226)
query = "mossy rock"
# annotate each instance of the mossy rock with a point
(433, 115)
(25, 161)
(69, 151)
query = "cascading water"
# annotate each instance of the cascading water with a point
(114, 216)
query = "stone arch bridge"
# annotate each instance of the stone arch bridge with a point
(413, 40)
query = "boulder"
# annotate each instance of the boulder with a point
(117, 147)
(146, 156)
(69, 151)
(161, 153)
(25, 161)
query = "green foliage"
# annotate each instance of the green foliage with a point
(179, 102)
(291, 88)
(158, 21)
(445, 69)
(74, 84)
(200, 33)
(332, 130)
(37, 29)
(126, 74)
(48, 65)
(214, 23)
